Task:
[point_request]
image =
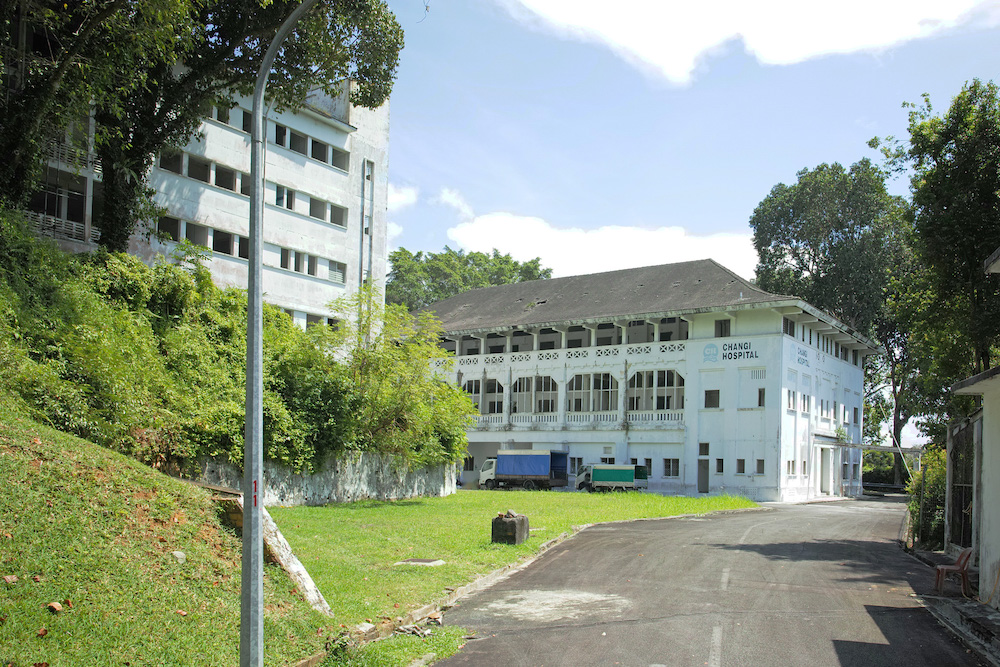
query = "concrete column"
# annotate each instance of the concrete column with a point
(591, 335)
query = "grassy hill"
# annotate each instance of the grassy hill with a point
(95, 531)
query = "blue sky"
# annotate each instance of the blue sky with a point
(600, 136)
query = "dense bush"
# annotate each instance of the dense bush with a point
(928, 489)
(151, 361)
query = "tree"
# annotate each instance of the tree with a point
(825, 239)
(956, 198)
(60, 58)
(401, 406)
(417, 280)
(157, 92)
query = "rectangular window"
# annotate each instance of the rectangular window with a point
(170, 227)
(244, 248)
(247, 121)
(469, 465)
(703, 449)
(804, 469)
(317, 208)
(246, 185)
(297, 142)
(284, 197)
(760, 397)
(311, 268)
(299, 261)
(286, 258)
(337, 272)
(711, 398)
(719, 466)
(649, 466)
(791, 399)
(722, 328)
(855, 416)
(760, 466)
(197, 234)
(318, 151)
(790, 467)
(575, 463)
(222, 242)
(225, 177)
(340, 159)
(610, 460)
(173, 161)
(854, 357)
(671, 467)
(338, 215)
(222, 114)
(741, 466)
(280, 134)
(788, 327)
(199, 169)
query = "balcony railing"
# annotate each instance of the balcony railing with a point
(60, 228)
(570, 354)
(652, 419)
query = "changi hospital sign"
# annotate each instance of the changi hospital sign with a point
(729, 352)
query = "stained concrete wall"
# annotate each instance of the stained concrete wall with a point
(365, 476)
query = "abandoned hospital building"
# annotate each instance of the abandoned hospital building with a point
(326, 171)
(713, 384)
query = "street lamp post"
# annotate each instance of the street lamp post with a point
(252, 583)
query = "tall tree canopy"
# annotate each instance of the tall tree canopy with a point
(825, 239)
(956, 198)
(417, 280)
(167, 62)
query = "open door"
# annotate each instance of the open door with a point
(702, 475)
(825, 468)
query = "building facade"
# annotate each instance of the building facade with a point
(713, 384)
(326, 173)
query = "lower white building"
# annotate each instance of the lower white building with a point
(713, 384)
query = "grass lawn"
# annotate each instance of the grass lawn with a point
(95, 531)
(350, 549)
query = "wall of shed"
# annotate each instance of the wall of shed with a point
(989, 527)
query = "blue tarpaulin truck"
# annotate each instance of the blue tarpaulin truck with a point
(528, 468)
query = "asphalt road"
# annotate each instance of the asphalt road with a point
(818, 584)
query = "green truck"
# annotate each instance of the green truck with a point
(607, 477)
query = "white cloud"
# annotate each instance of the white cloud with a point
(454, 199)
(392, 232)
(574, 251)
(672, 37)
(401, 197)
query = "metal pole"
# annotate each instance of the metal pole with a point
(252, 583)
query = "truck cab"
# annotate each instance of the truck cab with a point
(487, 473)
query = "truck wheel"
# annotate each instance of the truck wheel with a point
(529, 485)
(491, 484)
(590, 488)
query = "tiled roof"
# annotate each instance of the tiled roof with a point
(652, 290)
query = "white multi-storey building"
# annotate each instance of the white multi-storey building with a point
(713, 384)
(325, 201)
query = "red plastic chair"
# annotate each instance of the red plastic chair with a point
(961, 568)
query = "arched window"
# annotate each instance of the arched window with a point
(655, 390)
(534, 394)
(597, 392)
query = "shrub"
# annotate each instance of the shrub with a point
(928, 490)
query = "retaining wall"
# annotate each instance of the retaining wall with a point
(357, 477)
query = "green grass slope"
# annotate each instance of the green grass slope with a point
(94, 531)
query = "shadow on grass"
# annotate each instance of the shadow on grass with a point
(375, 504)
